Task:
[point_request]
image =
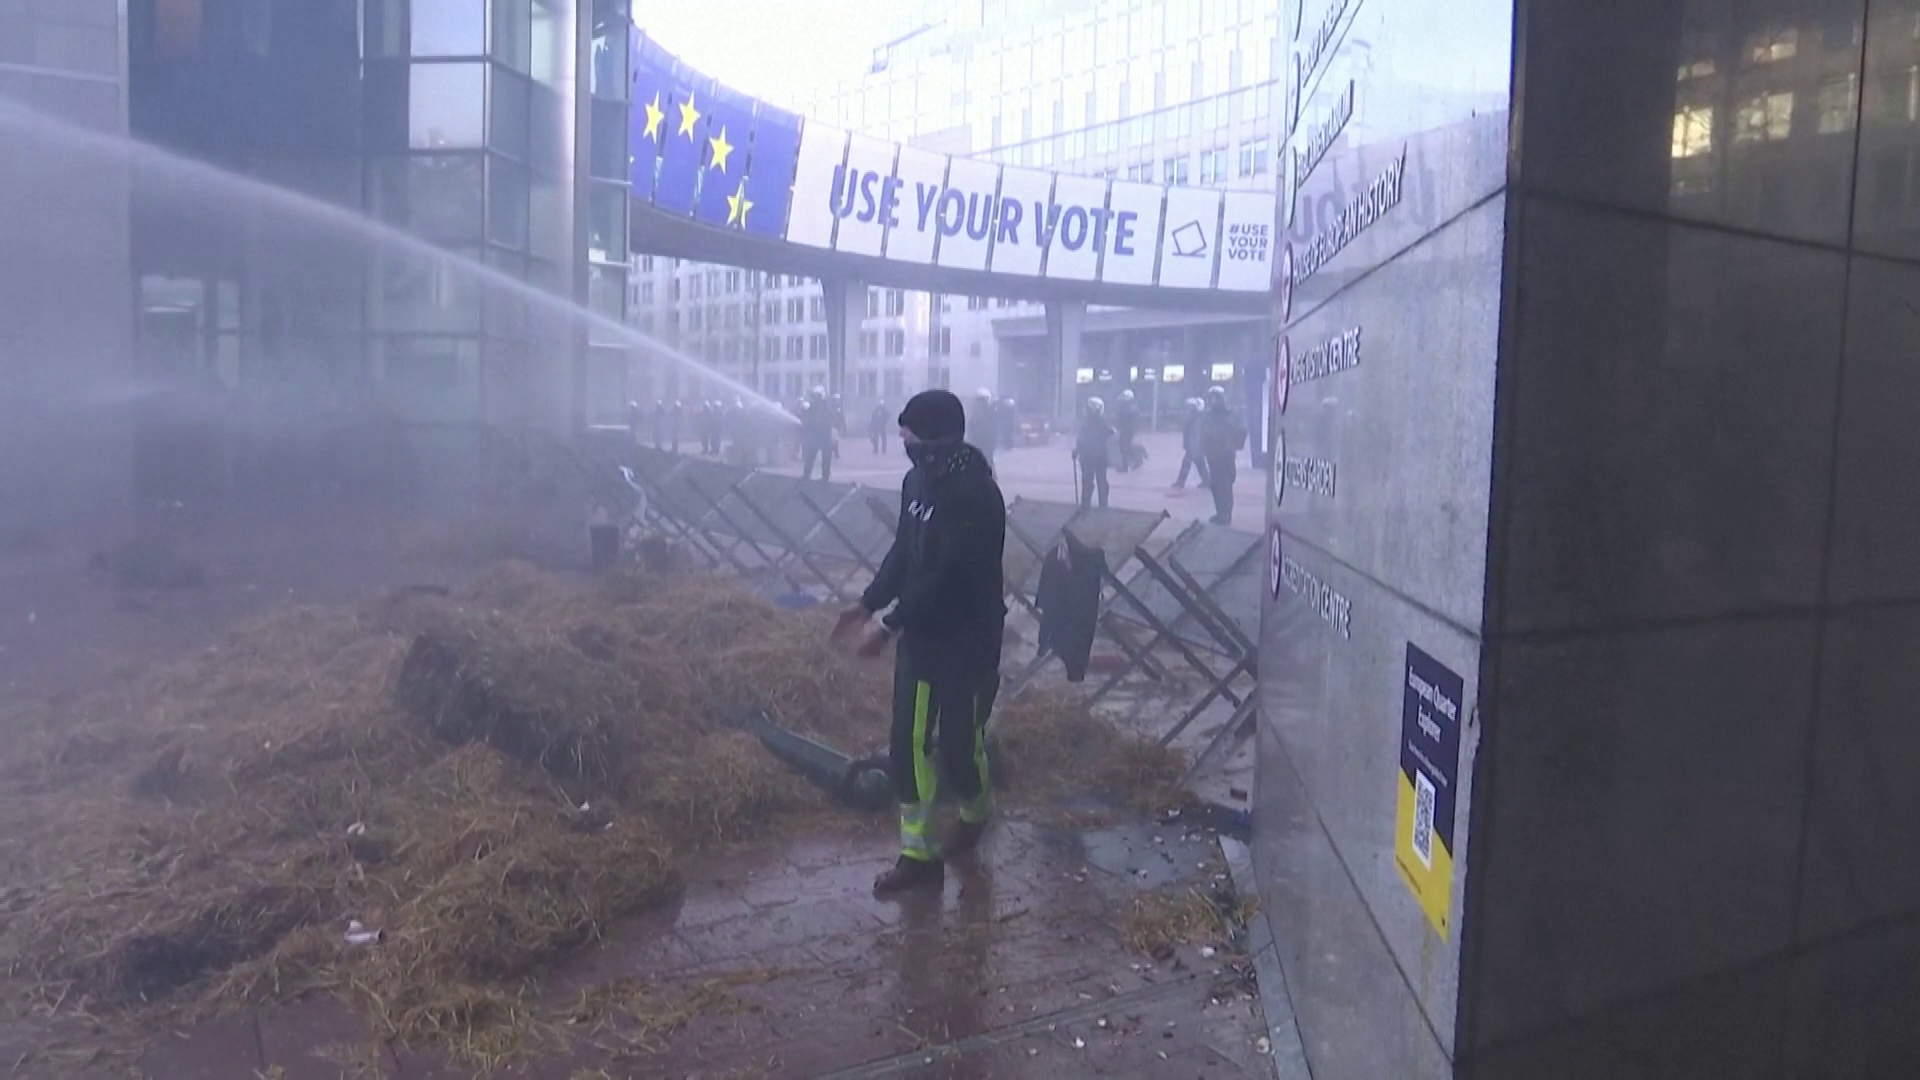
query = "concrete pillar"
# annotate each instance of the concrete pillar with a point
(1065, 321)
(846, 303)
(1603, 775)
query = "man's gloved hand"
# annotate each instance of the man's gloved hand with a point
(850, 620)
(875, 642)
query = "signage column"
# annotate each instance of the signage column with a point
(1065, 321)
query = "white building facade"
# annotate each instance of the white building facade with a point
(1165, 91)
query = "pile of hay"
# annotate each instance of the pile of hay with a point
(1158, 923)
(488, 779)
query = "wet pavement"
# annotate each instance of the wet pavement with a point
(1017, 969)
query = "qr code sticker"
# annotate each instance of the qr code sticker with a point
(1423, 794)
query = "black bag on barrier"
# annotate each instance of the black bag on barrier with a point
(1069, 603)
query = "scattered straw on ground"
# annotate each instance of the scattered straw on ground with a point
(1158, 923)
(489, 780)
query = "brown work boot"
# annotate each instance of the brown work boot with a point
(964, 838)
(909, 874)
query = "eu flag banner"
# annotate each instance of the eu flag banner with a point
(647, 113)
(723, 174)
(684, 143)
(770, 168)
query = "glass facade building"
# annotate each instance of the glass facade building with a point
(466, 123)
(63, 261)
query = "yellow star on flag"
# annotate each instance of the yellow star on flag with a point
(721, 148)
(654, 115)
(737, 206)
(689, 116)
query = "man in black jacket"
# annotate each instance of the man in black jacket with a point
(943, 579)
(1090, 450)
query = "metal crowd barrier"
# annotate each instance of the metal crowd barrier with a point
(1175, 598)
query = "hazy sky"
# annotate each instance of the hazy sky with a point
(777, 50)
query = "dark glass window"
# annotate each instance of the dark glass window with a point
(423, 294)
(509, 129)
(609, 140)
(607, 224)
(507, 206)
(610, 23)
(512, 42)
(436, 196)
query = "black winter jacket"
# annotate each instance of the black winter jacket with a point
(944, 568)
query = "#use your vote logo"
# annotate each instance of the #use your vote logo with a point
(867, 196)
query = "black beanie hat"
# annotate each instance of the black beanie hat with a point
(935, 416)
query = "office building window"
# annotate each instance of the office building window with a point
(1174, 170)
(869, 382)
(1253, 158)
(773, 387)
(1141, 171)
(869, 342)
(1762, 48)
(1213, 166)
(1764, 118)
(1837, 100)
(943, 378)
(733, 282)
(693, 318)
(945, 342)
(1693, 131)
(693, 287)
(1178, 122)
(896, 343)
(773, 313)
(796, 385)
(817, 347)
(896, 383)
(873, 303)
(796, 348)
(896, 302)
(819, 309)
(797, 310)
(646, 292)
